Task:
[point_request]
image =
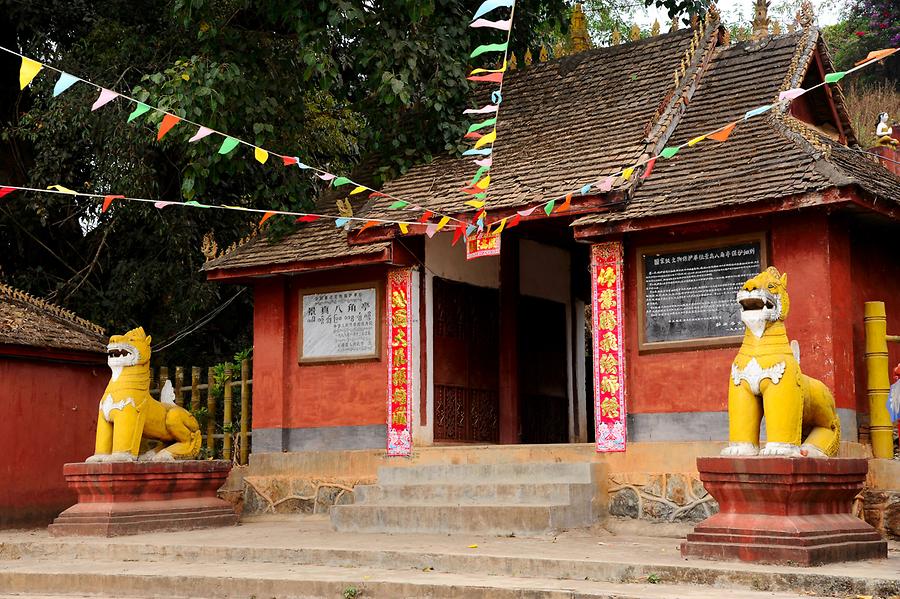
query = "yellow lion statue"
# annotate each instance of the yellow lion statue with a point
(128, 414)
(766, 378)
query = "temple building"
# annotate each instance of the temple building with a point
(499, 349)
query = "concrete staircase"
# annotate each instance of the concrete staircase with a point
(518, 499)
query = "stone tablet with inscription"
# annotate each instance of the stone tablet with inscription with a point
(339, 325)
(691, 294)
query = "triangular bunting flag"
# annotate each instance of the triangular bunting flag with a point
(487, 139)
(64, 82)
(161, 205)
(62, 189)
(358, 189)
(649, 169)
(607, 184)
(565, 205)
(377, 194)
(527, 212)
(669, 152)
(430, 230)
(106, 96)
(289, 160)
(790, 94)
(548, 207)
(426, 217)
(483, 110)
(489, 5)
(109, 200)
(228, 145)
(308, 218)
(489, 78)
(341, 181)
(696, 140)
(368, 225)
(404, 228)
(626, 174)
(485, 162)
(398, 205)
(482, 152)
(500, 228)
(260, 155)
(28, 71)
(459, 233)
(169, 121)
(586, 189)
(514, 221)
(325, 176)
(442, 223)
(723, 133)
(341, 222)
(140, 109)
(477, 204)
(488, 48)
(6, 191)
(878, 55)
(266, 217)
(200, 134)
(482, 125)
(196, 204)
(834, 77)
(758, 111)
(501, 25)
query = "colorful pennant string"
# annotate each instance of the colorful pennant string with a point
(140, 109)
(64, 82)
(489, 5)
(502, 25)
(228, 144)
(169, 121)
(107, 201)
(260, 155)
(6, 191)
(106, 96)
(28, 71)
(723, 133)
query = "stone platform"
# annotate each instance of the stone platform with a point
(125, 498)
(793, 511)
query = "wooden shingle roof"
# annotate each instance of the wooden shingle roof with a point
(29, 321)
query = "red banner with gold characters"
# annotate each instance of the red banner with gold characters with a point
(609, 354)
(399, 361)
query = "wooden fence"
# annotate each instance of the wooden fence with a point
(221, 438)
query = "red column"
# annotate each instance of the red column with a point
(269, 345)
(509, 355)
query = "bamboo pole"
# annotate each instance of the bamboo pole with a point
(211, 413)
(226, 419)
(179, 383)
(195, 390)
(878, 381)
(245, 408)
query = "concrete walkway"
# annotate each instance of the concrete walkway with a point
(300, 556)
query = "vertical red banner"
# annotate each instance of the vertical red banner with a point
(609, 353)
(399, 351)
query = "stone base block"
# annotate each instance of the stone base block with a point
(135, 497)
(792, 511)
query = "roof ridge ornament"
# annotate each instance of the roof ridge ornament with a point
(806, 16)
(53, 309)
(761, 19)
(578, 32)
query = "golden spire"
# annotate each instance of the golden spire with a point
(776, 28)
(726, 38)
(559, 50)
(578, 32)
(634, 34)
(695, 21)
(805, 16)
(675, 25)
(654, 30)
(616, 37)
(544, 57)
(512, 62)
(760, 19)
(528, 57)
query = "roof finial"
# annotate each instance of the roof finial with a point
(544, 57)
(578, 32)
(528, 57)
(776, 28)
(675, 25)
(712, 14)
(635, 33)
(654, 30)
(760, 19)
(805, 16)
(512, 62)
(616, 37)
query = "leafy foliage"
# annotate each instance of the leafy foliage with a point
(326, 81)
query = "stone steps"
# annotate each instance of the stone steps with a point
(498, 499)
(177, 580)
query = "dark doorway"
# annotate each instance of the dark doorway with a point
(543, 371)
(466, 363)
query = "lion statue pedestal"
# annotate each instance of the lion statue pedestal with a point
(122, 491)
(790, 501)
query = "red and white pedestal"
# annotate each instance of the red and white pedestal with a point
(790, 511)
(125, 498)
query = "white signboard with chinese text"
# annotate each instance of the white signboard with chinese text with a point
(339, 325)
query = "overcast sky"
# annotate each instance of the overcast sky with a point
(827, 11)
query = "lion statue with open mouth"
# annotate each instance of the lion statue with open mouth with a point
(128, 414)
(765, 378)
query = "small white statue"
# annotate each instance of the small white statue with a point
(884, 132)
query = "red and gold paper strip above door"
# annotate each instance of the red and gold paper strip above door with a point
(609, 355)
(399, 442)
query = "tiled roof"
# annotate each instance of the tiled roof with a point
(577, 119)
(765, 158)
(27, 320)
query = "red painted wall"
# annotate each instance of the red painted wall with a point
(49, 417)
(814, 249)
(290, 395)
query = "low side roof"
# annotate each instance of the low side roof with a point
(29, 321)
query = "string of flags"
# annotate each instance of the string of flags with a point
(484, 142)
(563, 202)
(30, 69)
